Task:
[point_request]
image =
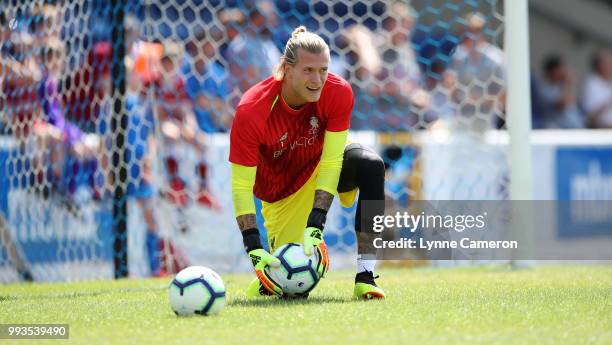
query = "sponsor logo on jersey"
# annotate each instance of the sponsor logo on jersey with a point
(282, 139)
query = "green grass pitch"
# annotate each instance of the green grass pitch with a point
(476, 305)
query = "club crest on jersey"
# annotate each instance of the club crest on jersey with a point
(314, 125)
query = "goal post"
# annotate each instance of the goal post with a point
(119, 127)
(518, 102)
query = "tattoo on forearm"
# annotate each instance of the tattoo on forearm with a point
(246, 221)
(323, 200)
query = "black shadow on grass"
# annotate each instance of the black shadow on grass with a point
(281, 302)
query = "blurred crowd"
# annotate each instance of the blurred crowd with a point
(185, 73)
(197, 75)
(183, 82)
(559, 102)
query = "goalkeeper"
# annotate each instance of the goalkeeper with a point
(288, 147)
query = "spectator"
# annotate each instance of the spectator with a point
(74, 154)
(140, 146)
(478, 77)
(144, 72)
(20, 84)
(8, 67)
(61, 156)
(93, 80)
(387, 72)
(363, 61)
(207, 83)
(399, 73)
(361, 55)
(597, 93)
(252, 55)
(144, 61)
(440, 107)
(178, 125)
(45, 24)
(557, 99)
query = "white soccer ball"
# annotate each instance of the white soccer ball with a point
(297, 274)
(197, 290)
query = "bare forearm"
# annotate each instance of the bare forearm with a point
(247, 221)
(323, 200)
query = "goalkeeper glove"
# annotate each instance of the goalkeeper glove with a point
(260, 258)
(313, 237)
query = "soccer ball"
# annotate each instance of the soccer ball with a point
(297, 274)
(197, 290)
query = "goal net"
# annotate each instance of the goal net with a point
(114, 120)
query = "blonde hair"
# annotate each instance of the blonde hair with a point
(300, 38)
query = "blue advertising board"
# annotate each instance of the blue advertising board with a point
(584, 173)
(43, 229)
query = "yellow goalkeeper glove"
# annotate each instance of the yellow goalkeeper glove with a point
(260, 258)
(313, 238)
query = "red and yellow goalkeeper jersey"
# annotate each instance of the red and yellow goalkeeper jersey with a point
(286, 144)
